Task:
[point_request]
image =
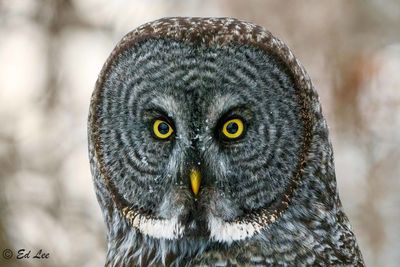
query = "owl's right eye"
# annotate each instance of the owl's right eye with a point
(162, 129)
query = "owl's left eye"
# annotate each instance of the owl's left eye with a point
(162, 129)
(233, 129)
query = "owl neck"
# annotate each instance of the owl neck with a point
(127, 247)
(314, 219)
(306, 224)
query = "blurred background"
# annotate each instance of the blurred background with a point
(51, 52)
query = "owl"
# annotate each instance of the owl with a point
(208, 147)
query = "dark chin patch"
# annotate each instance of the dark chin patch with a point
(196, 228)
(220, 205)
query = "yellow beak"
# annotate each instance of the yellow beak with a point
(195, 180)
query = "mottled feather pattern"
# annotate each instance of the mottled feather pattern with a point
(268, 199)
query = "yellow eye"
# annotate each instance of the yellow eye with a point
(233, 128)
(162, 129)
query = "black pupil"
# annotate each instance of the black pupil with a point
(232, 127)
(163, 128)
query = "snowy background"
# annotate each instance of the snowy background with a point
(51, 52)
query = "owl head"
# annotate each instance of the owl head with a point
(204, 132)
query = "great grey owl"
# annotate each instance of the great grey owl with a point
(208, 148)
